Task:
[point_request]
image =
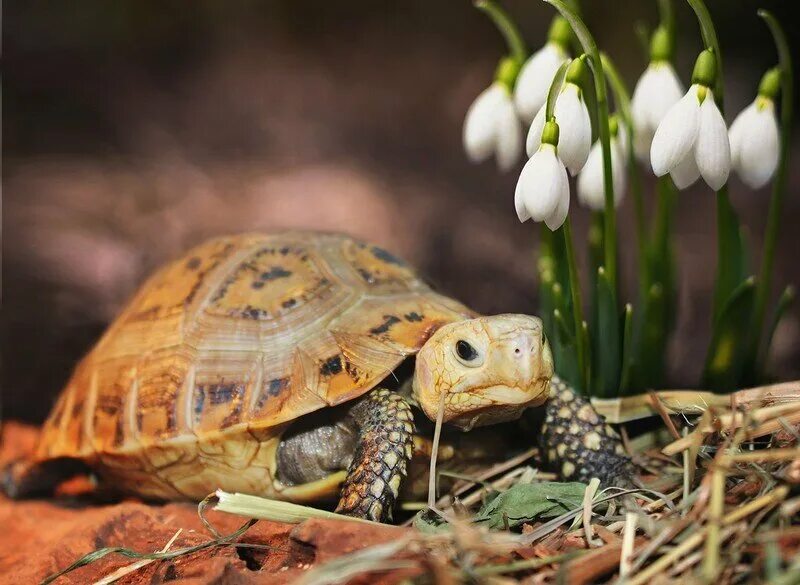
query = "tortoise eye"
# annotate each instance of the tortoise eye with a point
(465, 351)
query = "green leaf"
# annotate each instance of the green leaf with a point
(562, 273)
(607, 349)
(428, 522)
(526, 502)
(546, 300)
(784, 302)
(653, 337)
(562, 344)
(732, 256)
(561, 304)
(627, 349)
(595, 240)
(586, 343)
(729, 341)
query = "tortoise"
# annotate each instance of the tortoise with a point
(269, 364)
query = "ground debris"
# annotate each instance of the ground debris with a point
(716, 504)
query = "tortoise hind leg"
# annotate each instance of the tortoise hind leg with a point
(380, 463)
(25, 479)
(579, 444)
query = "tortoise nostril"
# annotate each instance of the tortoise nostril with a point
(517, 350)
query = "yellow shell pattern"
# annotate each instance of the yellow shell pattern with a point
(192, 385)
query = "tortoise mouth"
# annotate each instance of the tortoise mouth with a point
(500, 404)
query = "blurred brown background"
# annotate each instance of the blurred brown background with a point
(135, 129)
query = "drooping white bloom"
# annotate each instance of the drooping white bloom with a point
(657, 90)
(491, 127)
(542, 192)
(575, 140)
(755, 142)
(591, 187)
(693, 129)
(535, 78)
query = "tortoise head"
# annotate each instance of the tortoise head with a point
(489, 370)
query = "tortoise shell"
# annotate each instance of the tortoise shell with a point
(221, 349)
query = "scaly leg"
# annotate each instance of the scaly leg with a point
(579, 444)
(380, 462)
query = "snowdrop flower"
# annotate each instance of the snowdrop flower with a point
(692, 139)
(591, 188)
(542, 192)
(573, 120)
(492, 128)
(538, 71)
(657, 90)
(754, 136)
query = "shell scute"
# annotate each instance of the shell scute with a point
(273, 281)
(162, 378)
(224, 385)
(175, 286)
(377, 269)
(111, 422)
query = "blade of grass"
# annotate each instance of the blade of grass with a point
(274, 510)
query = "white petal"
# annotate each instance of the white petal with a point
(519, 205)
(665, 92)
(591, 188)
(736, 133)
(676, 134)
(540, 184)
(591, 192)
(575, 128)
(657, 90)
(712, 151)
(534, 139)
(685, 173)
(556, 219)
(535, 78)
(757, 136)
(642, 94)
(508, 134)
(479, 125)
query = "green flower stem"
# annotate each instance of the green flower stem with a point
(667, 17)
(663, 219)
(516, 44)
(577, 305)
(590, 48)
(731, 257)
(779, 184)
(711, 42)
(555, 88)
(623, 101)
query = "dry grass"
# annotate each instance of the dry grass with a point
(717, 502)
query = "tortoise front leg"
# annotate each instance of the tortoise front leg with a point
(579, 444)
(380, 463)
